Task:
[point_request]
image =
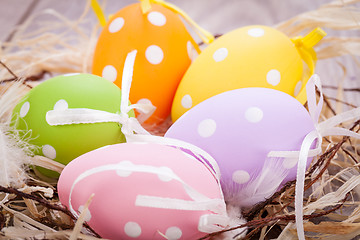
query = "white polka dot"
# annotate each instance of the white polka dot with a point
(241, 176)
(70, 74)
(273, 77)
(186, 101)
(156, 18)
(24, 109)
(61, 105)
(109, 73)
(124, 173)
(220, 54)
(206, 128)
(173, 233)
(116, 25)
(49, 151)
(132, 229)
(256, 32)
(165, 178)
(290, 162)
(144, 101)
(154, 54)
(254, 114)
(87, 214)
(297, 88)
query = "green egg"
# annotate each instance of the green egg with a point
(64, 143)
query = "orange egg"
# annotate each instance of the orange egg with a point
(163, 44)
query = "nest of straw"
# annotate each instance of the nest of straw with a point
(29, 206)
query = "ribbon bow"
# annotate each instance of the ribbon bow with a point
(305, 45)
(322, 129)
(216, 220)
(86, 115)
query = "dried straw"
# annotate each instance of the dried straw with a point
(331, 203)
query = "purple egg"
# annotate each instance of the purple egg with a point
(239, 128)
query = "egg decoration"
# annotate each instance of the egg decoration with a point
(251, 56)
(238, 129)
(63, 143)
(163, 44)
(140, 190)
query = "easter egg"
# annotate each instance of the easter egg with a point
(132, 184)
(238, 129)
(252, 56)
(163, 46)
(63, 143)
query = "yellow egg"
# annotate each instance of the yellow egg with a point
(252, 56)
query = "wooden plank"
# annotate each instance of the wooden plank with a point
(13, 13)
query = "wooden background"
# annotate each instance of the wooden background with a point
(217, 16)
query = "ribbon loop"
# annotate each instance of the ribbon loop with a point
(129, 125)
(314, 108)
(322, 129)
(305, 47)
(325, 128)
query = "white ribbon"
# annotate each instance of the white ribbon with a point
(86, 115)
(323, 129)
(134, 132)
(200, 202)
(202, 156)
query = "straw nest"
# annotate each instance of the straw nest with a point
(29, 206)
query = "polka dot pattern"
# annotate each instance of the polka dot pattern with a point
(240, 177)
(24, 109)
(87, 214)
(289, 163)
(165, 178)
(220, 54)
(254, 114)
(154, 54)
(186, 101)
(49, 151)
(132, 229)
(256, 32)
(273, 77)
(116, 25)
(156, 18)
(173, 233)
(144, 101)
(109, 72)
(61, 105)
(123, 173)
(206, 128)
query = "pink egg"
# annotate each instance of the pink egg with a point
(127, 178)
(238, 129)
